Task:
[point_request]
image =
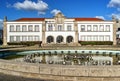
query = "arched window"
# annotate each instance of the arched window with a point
(50, 39)
(69, 39)
(59, 39)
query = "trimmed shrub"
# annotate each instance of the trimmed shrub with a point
(27, 43)
(96, 42)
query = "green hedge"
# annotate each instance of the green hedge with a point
(27, 43)
(95, 42)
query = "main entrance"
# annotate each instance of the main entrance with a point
(69, 39)
(50, 39)
(59, 39)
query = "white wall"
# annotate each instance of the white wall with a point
(64, 32)
(24, 33)
(98, 33)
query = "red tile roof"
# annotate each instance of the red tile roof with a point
(76, 19)
(30, 19)
(88, 19)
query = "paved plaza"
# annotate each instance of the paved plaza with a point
(4, 77)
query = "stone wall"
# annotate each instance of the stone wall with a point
(61, 72)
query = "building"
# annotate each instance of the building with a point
(1, 34)
(59, 30)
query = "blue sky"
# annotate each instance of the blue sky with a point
(15, 9)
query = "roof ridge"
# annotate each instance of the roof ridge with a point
(88, 19)
(76, 19)
(30, 19)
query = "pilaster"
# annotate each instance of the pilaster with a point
(43, 33)
(114, 31)
(5, 31)
(76, 33)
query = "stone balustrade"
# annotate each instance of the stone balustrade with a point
(61, 72)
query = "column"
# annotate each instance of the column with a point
(114, 30)
(54, 39)
(64, 39)
(43, 33)
(76, 32)
(5, 31)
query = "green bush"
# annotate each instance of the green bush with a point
(95, 42)
(27, 43)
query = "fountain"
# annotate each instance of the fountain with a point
(70, 57)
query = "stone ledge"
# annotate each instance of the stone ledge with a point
(61, 72)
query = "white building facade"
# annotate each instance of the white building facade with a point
(58, 30)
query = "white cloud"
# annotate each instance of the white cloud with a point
(40, 12)
(116, 15)
(29, 5)
(1, 20)
(114, 3)
(55, 11)
(101, 17)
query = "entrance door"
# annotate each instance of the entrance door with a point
(69, 39)
(50, 39)
(59, 39)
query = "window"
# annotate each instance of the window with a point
(24, 38)
(11, 38)
(50, 39)
(69, 27)
(36, 28)
(117, 36)
(95, 38)
(83, 38)
(24, 28)
(50, 27)
(107, 38)
(88, 38)
(92, 38)
(11, 28)
(30, 28)
(59, 27)
(30, 38)
(118, 29)
(88, 27)
(101, 38)
(101, 28)
(95, 28)
(17, 38)
(82, 28)
(107, 28)
(36, 38)
(18, 28)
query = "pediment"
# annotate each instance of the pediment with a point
(59, 17)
